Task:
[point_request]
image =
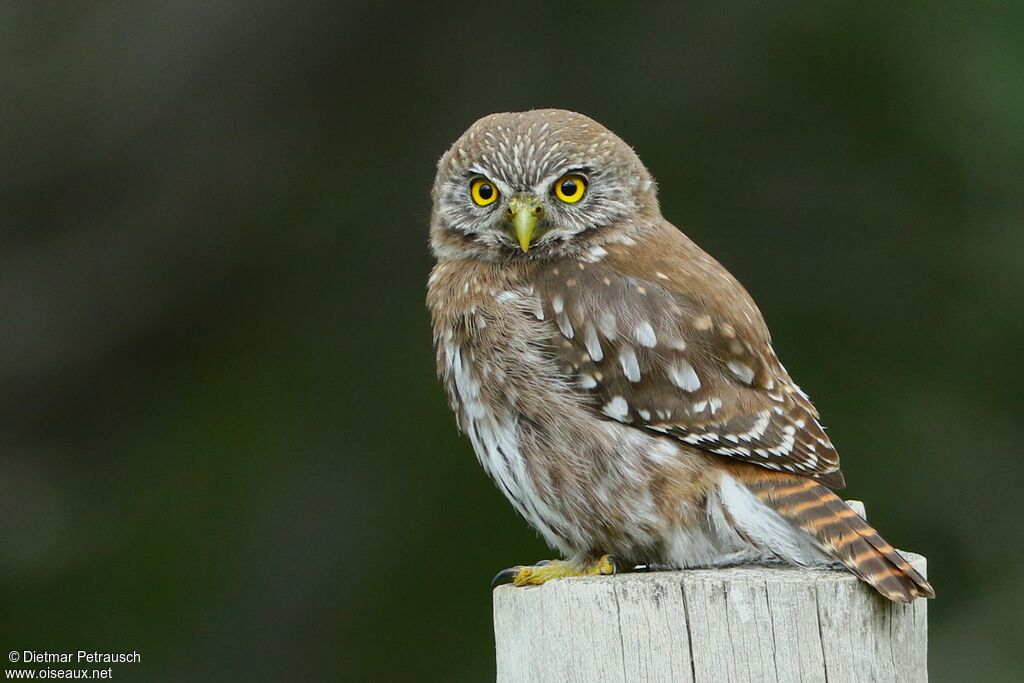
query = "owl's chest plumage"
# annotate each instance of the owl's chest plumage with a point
(581, 480)
(494, 368)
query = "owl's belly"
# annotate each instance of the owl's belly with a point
(584, 498)
(493, 426)
(586, 484)
(496, 441)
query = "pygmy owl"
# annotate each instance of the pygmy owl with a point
(616, 382)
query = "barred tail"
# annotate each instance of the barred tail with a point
(842, 533)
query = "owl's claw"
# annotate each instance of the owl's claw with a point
(509, 575)
(546, 570)
(505, 576)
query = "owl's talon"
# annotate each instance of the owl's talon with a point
(505, 576)
(547, 570)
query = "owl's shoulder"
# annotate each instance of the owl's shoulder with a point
(671, 261)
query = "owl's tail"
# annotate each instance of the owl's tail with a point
(840, 532)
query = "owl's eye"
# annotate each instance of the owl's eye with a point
(483, 192)
(570, 188)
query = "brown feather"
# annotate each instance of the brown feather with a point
(660, 336)
(840, 531)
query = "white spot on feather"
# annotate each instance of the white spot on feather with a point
(538, 308)
(758, 429)
(630, 366)
(617, 408)
(607, 324)
(742, 371)
(683, 376)
(564, 325)
(592, 342)
(645, 335)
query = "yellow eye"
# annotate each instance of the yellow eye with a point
(483, 192)
(570, 188)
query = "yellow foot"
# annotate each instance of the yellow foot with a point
(556, 569)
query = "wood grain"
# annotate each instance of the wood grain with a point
(749, 623)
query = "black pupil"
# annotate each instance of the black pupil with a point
(485, 191)
(569, 188)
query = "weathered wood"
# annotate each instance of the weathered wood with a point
(750, 623)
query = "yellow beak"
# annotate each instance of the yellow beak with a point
(524, 212)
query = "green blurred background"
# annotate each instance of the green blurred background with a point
(222, 443)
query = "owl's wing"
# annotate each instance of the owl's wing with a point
(648, 351)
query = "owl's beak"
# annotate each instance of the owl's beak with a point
(524, 212)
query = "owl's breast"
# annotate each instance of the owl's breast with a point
(494, 357)
(499, 359)
(494, 346)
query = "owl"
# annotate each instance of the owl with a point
(617, 383)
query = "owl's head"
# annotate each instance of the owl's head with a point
(539, 184)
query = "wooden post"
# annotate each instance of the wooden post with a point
(750, 623)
